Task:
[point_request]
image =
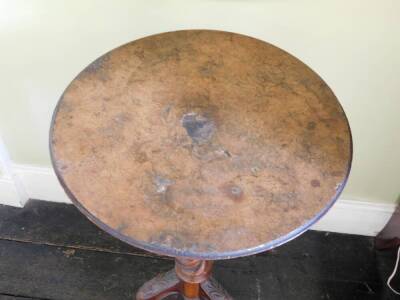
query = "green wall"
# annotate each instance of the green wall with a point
(353, 45)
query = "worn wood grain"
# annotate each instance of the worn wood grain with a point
(11, 297)
(50, 251)
(43, 271)
(58, 224)
(201, 143)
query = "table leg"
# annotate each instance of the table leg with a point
(190, 279)
(160, 287)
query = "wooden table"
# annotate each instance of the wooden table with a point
(200, 145)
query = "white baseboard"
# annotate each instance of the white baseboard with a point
(12, 191)
(356, 217)
(41, 183)
(8, 193)
(346, 216)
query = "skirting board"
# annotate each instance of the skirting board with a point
(8, 193)
(346, 216)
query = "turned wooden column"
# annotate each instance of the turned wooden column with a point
(192, 273)
(190, 278)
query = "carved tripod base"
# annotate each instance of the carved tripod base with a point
(191, 279)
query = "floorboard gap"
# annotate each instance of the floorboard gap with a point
(86, 248)
(23, 296)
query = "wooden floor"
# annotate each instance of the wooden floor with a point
(51, 251)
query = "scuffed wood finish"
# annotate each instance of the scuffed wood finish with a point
(191, 279)
(201, 143)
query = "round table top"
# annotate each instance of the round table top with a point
(201, 143)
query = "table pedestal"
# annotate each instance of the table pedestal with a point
(191, 279)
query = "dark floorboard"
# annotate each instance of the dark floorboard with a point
(51, 251)
(13, 297)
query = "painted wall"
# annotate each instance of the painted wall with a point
(353, 45)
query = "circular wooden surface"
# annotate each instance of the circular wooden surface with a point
(201, 143)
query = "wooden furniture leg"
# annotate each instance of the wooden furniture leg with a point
(191, 279)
